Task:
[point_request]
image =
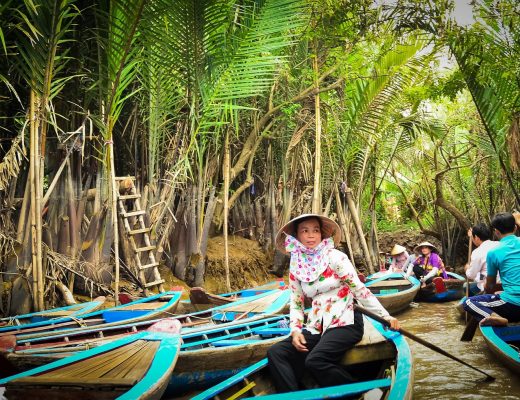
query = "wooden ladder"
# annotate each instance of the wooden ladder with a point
(146, 252)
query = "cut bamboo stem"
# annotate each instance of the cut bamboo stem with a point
(359, 229)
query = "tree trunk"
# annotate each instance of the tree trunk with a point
(359, 228)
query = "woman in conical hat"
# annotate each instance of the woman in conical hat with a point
(324, 275)
(428, 264)
(399, 257)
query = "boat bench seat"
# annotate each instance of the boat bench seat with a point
(98, 382)
(395, 282)
(233, 342)
(271, 331)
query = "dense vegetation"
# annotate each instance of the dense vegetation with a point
(235, 115)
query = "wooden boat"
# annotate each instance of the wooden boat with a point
(135, 367)
(153, 307)
(202, 300)
(40, 318)
(449, 289)
(28, 351)
(504, 342)
(395, 291)
(384, 358)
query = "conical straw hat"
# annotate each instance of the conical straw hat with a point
(428, 244)
(329, 228)
(397, 249)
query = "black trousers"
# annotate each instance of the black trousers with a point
(287, 364)
(420, 272)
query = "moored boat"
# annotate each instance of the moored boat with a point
(395, 291)
(40, 318)
(29, 351)
(135, 367)
(153, 307)
(200, 299)
(383, 356)
(443, 289)
(504, 342)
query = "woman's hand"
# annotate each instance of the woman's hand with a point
(394, 323)
(299, 342)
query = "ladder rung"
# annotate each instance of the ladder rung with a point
(134, 213)
(122, 178)
(137, 231)
(154, 283)
(129, 196)
(147, 248)
(155, 264)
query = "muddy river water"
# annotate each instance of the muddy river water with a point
(438, 377)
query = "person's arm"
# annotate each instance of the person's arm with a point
(492, 270)
(351, 283)
(296, 304)
(474, 266)
(408, 265)
(296, 315)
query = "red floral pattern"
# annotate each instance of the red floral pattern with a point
(332, 294)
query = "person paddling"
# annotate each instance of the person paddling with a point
(428, 265)
(477, 268)
(326, 276)
(501, 308)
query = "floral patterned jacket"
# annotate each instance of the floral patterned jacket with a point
(332, 294)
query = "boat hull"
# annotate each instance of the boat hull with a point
(394, 349)
(454, 290)
(499, 340)
(394, 291)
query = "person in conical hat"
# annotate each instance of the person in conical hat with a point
(428, 265)
(399, 256)
(326, 276)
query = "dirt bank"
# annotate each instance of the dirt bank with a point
(248, 264)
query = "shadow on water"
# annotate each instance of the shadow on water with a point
(438, 377)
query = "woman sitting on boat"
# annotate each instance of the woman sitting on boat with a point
(399, 257)
(326, 276)
(428, 264)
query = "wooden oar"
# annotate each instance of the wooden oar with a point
(431, 346)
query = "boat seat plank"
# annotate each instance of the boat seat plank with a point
(73, 381)
(150, 305)
(395, 282)
(234, 342)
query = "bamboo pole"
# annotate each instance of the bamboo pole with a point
(113, 197)
(36, 219)
(316, 194)
(226, 209)
(359, 229)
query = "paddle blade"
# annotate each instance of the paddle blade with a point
(469, 332)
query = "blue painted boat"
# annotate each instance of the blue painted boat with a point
(387, 365)
(395, 291)
(135, 367)
(156, 306)
(452, 289)
(29, 351)
(504, 342)
(202, 300)
(39, 318)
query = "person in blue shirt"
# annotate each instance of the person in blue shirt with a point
(498, 309)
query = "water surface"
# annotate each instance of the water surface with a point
(438, 377)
